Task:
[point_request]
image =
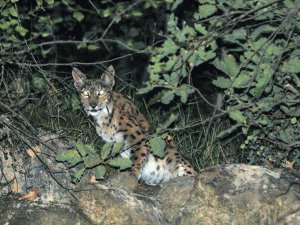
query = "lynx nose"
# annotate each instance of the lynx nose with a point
(93, 105)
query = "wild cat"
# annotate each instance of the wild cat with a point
(117, 119)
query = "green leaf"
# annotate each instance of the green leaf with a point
(227, 65)
(106, 12)
(117, 148)
(294, 120)
(206, 10)
(170, 120)
(77, 175)
(175, 4)
(285, 136)
(222, 82)
(237, 116)
(21, 30)
(85, 149)
(106, 150)
(119, 162)
(45, 52)
(183, 92)
(70, 156)
(50, 2)
(144, 90)
(236, 35)
(157, 145)
(292, 65)
(91, 160)
(229, 131)
(167, 97)
(38, 82)
(242, 80)
(13, 11)
(296, 80)
(78, 16)
(136, 13)
(169, 47)
(261, 29)
(92, 47)
(156, 98)
(100, 172)
(263, 78)
(200, 28)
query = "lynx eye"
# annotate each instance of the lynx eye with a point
(85, 93)
(101, 93)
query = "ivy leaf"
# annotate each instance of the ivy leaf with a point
(70, 156)
(237, 116)
(78, 16)
(76, 177)
(222, 82)
(119, 162)
(100, 172)
(158, 145)
(167, 97)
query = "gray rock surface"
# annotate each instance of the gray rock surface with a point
(224, 194)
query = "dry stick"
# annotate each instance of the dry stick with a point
(70, 64)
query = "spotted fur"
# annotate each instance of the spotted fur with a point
(117, 119)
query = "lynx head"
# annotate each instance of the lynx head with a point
(95, 95)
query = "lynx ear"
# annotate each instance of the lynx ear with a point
(78, 78)
(108, 77)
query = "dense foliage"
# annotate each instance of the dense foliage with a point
(243, 54)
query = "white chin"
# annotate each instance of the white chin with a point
(93, 113)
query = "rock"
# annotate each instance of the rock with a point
(124, 181)
(14, 212)
(224, 194)
(174, 195)
(241, 194)
(35, 167)
(119, 207)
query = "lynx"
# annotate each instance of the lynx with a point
(117, 119)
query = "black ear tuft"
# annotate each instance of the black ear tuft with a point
(79, 78)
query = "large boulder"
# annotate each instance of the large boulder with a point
(243, 194)
(224, 194)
